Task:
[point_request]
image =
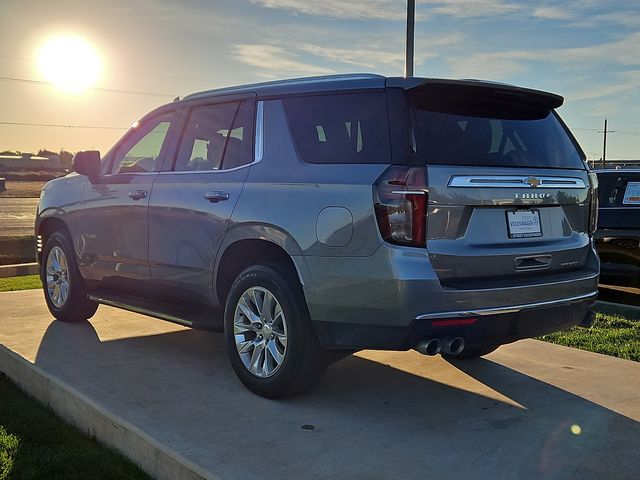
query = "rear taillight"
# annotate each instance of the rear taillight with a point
(400, 202)
(593, 204)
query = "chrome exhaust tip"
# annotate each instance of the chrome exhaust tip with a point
(428, 346)
(453, 345)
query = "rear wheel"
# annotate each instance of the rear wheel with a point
(271, 342)
(471, 353)
(64, 288)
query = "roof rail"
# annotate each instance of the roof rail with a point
(289, 81)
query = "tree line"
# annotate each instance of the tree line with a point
(65, 156)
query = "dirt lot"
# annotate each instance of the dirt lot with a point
(28, 189)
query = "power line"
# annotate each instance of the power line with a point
(131, 72)
(628, 132)
(97, 89)
(25, 124)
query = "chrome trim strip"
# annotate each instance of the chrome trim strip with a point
(508, 309)
(512, 181)
(137, 174)
(408, 192)
(259, 134)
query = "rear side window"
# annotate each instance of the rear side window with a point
(480, 132)
(217, 137)
(619, 189)
(349, 128)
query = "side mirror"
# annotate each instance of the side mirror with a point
(87, 162)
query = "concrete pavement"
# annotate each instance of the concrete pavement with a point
(167, 396)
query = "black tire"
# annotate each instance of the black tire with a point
(304, 360)
(471, 353)
(77, 307)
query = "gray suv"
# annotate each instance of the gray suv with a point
(311, 218)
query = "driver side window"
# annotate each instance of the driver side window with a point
(141, 152)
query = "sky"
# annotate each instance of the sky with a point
(154, 50)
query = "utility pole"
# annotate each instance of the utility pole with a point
(604, 144)
(411, 20)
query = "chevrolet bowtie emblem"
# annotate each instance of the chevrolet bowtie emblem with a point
(533, 182)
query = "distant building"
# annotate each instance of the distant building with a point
(27, 161)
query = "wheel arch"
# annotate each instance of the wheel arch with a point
(246, 246)
(47, 226)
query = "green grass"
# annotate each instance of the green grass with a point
(611, 334)
(24, 282)
(36, 444)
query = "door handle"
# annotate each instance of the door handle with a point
(215, 197)
(138, 194)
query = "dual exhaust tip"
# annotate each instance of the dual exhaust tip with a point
(447, 346)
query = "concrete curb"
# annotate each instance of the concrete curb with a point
(153, 457)
(18, 270)
(617, 308)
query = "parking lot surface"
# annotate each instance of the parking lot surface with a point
(530, 410)
(17, 216)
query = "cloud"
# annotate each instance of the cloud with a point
(625, 18)
(499, 65)
(474, 8)
(391, 9)
(624, 82)
(373, 59)
(370, 9)
(552, 13)
(275, 61)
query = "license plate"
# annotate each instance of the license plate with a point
(524, 224)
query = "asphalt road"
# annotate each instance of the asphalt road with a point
(530, 410)
(17, 216)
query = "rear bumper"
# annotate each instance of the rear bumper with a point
(390, 300)
(488, 329)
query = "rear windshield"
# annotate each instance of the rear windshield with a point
(503, 133)
(619, 189)
(342, 128)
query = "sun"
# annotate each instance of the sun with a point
(70, 63)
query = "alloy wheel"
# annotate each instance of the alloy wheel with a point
(57, 277)
(260, 331)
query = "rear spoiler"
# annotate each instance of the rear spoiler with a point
(477, 87)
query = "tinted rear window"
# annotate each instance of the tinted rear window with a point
(479, 131)
(348, 128)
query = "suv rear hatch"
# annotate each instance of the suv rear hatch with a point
(508, 195)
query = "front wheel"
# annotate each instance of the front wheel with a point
(64, 289)
(270, 339)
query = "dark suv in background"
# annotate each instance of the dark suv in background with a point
(618, 235)
(332, 214)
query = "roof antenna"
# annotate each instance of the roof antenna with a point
(411, 20)
(176, 99)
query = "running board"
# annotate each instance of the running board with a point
(170, 313)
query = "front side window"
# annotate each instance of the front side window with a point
(345, 128)
(217, 137)
(141, 153)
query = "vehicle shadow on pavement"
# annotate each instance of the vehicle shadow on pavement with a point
(365, 419)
